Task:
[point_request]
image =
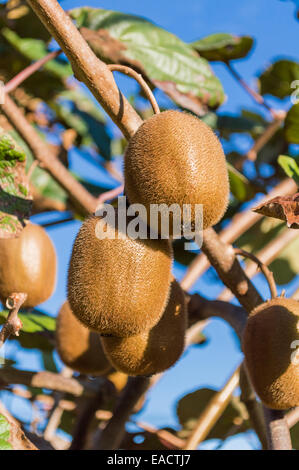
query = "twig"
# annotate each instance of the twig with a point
(138, 77)
(212, 412)
(239, 224)
(265, 137)
(113, 433)
(43, 154)
(28, 71)
(13, 324)
(17, 437)
(265, 270)
(163, 435)
(86, 66)
(254, 95)
(278, 433)
(266, 255)
(109, 195)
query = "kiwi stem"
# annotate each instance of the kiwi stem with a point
(265, 270)
(138, 77)
(13, 324)
(278, 433)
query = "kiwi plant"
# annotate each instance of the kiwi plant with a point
(28, 264)
(79, 348)
(271, 334)
(158, 348)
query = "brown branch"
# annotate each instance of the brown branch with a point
(265, 270)
(28, 71)
(265, 137)
(44, 155)
(138, 77)
(17, 437)
(164, 436)
(266, 255)
(109, 195)
(13, 324)
(254, 94)
(254, 408)
(278, 433)
(239, 224)
(215, 408)
(112, 434)
(86, 66)
(292, 417)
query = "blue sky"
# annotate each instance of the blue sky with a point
(272, 24)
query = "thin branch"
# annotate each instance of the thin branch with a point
(278, 433)
(238, 225)
(17, 437)
(109, 195)
(113, 433)
(43, 154)
(13, 324)
(265, 270)
(86, 66)
(292, 417)
(28, 71)
(266, 255)
(254, 94)
(139, 78)
(215, 408)
(267, 135)
(164, 436)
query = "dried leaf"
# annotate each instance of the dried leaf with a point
(283, 208)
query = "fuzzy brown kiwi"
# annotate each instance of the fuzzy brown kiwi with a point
(118, 287)
(79, 348)
(175, 157)
(155, 350)
(271, 332)
(28, 264)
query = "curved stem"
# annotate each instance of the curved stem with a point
(265, 270)
(139, 78)
(13, 324)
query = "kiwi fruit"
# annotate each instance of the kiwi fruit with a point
(155, 350)
(28, 264)
(175, 158)
(271, 330)
(79, 348)
(118, 286)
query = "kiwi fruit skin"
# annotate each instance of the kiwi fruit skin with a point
(118, 287)
(79, 348)
(28, 264)
(155, 350)
(175, 157)
(269, 333)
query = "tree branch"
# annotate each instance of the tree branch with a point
(44, 155)
(17, 437)
(86, 66)
(13, 324)
(278, 433)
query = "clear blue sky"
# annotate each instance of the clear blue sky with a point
(272, 23)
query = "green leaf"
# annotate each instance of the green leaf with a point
(35, 49)
(167, 62)
(223, 46)
(240, 186)
(22, 19)
(4, 434)
(190, 407)
(37, 331)
(277, 79)
(290, 167)
(285, 267)
(291, 125)
(15, 200)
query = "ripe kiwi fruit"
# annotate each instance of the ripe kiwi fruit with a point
(79, 348)
(174, 157)
(155, 350)
(118, 286)
(271, 329)
(28, 264)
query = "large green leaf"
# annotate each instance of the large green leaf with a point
(277, 79)
(223, 46)
(15, 200)
(190, 407)
(166, 61)
(4, 434)
(290, 166)
(291, 125)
